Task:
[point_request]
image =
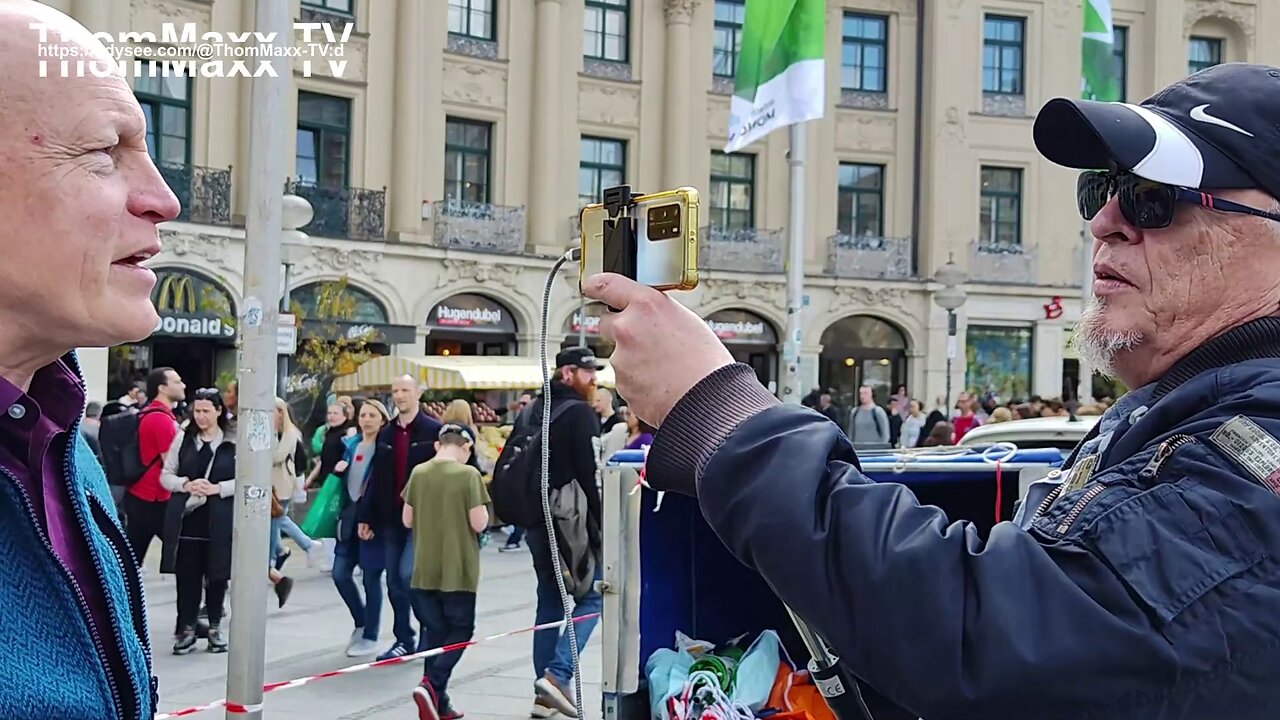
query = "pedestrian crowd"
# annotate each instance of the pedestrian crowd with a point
(900, 421)
(398, 498)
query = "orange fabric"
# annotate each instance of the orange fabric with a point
(802, 697)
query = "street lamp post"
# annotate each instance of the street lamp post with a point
(950, 298)
(295, 212)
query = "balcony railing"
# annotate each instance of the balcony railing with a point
(575, 226)
(338, 20)
(481, 227)
(205, 193)
(869, 257)
(1002, 263)
(744, 250)
(343, 212)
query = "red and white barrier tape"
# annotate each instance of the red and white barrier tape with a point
(272, 687)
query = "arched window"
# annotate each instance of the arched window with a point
(338, 300)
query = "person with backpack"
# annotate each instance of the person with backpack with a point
(405, 443)
(136, 443)
(868, 422)
(575, 500)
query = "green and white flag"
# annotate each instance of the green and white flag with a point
(780, 76)
(1098, 65)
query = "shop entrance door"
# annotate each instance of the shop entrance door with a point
(191, 359)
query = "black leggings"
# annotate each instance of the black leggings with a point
(192, 567)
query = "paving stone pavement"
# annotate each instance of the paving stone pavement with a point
(493, 681)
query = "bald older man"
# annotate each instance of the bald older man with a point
(1143, 580)
(81, 199)
(406, 442)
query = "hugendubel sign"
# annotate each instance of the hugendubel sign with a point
(466, 317)
(590, 324)
(468, 311)
(741, 326)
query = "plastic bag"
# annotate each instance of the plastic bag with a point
(322, 517)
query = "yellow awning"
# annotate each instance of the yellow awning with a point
(346, 383)
(462, 372)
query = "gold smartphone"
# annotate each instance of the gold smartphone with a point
(664, 251)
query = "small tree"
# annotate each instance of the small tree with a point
(337, 347)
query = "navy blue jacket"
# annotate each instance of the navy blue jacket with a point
(1152, 591)
(381, 504)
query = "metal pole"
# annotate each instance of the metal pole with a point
(791, 391)
(951, 353)
(282, 372)
(582, 320)
(256, 367)
(1084, 389)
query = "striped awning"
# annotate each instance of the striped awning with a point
(462, 372)
(345, 383)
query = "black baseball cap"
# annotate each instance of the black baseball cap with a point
(1216, 129)
(456, 429)
(581, 357)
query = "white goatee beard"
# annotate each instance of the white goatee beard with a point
(1098, 345)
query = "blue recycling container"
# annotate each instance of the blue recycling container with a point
(689, 582)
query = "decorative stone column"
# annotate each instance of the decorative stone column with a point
(677, 88)
(545, 154)
(406, 162)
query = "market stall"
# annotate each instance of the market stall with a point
(667, 573)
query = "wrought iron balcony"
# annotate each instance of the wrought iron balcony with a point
(343, 212)
(312, 14)
(869, 257)
(743, 250)
(1002, 263)
(481, 227)
(575, 226)
(205, 193)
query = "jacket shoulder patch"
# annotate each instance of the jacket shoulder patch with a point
(1252, 448)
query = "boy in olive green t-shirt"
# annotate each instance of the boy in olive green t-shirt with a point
(445, 505)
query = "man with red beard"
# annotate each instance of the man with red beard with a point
(574, 438)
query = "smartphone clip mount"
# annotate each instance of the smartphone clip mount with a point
(620, 242)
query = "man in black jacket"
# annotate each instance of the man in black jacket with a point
(1140, 580)
(574, 439)
(406, 442)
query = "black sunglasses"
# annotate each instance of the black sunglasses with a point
(1146, 204)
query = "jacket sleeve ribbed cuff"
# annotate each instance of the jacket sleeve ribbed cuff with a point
(699, 423)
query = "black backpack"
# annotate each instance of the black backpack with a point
(118, 439)
(516, 487)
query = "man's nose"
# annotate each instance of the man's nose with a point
(150, 196)
(1110, 225)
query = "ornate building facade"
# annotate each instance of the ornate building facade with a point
(446, 165)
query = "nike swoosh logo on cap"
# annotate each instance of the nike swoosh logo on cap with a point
(1198, 113)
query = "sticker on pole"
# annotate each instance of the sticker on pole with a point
(260, 431)
(252, 312)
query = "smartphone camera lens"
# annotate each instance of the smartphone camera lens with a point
(664, 222)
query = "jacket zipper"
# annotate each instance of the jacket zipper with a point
(101, 648)
(136, 592)
(1149, 472)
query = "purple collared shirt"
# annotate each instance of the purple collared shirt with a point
(34, 436)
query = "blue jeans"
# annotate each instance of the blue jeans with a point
(397, 558)
(551, 649)
(285, 524)
(365, 612)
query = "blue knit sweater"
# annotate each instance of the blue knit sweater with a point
(50, 666)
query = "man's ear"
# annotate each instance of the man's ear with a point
(437, 446)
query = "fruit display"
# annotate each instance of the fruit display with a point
(489, 444)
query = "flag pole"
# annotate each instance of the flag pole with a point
(791, 391)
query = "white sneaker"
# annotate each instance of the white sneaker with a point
(541, 710)
(362, 648)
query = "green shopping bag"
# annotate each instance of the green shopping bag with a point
(322, 517)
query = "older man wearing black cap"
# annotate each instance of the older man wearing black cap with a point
(1140, 581)
(574, 446)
